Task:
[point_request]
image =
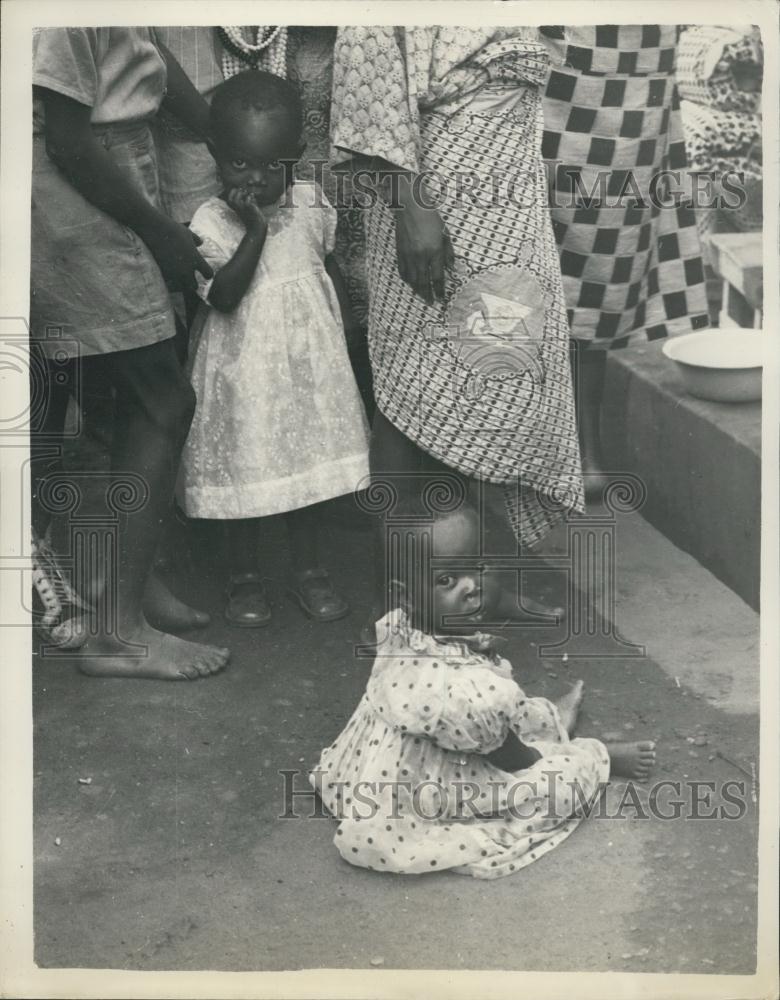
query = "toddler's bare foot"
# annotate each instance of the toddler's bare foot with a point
(166, 657)
(166, 612)
(631, 760)
(569, 706)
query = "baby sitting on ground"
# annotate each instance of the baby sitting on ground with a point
(446, 762)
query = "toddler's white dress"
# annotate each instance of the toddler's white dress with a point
(279, 422)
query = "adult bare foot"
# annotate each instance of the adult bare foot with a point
(165, 611)
(534, 607)
(367, 633)
(501, 604)
(162, 657)
(569, 706)
(631, 760)
(594, 478)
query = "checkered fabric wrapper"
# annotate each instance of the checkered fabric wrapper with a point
(481, 381)
(721, 67)
(630, 268)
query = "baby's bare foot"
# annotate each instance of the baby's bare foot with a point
(569, 706)
(631, 760)
(166, 657)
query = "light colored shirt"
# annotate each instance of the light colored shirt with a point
(198, 51)
(118, 72)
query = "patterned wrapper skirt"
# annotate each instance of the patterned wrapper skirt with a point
(482, 381)
(310, 67)
(631, 268)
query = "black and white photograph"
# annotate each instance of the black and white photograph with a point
(390, 405)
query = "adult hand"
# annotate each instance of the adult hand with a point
(423, 247)
(173, 246)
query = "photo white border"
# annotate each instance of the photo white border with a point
(19, 977)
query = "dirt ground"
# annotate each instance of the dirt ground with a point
(175, 857)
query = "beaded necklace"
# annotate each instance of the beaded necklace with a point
(269, 51)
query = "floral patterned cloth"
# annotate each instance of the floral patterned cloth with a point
(384, 77)
(310, 67)
(721, 67)
(481, 381)
(279, 424)
(720, 142)
(719, 70)
(408, 777)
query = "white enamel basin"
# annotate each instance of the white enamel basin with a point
(722, 365)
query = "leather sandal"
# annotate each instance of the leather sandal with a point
(316, 596)
(247, 602)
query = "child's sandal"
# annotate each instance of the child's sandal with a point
(247, 602)
(316, 596)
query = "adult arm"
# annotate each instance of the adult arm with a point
(182, 98)
(72, 145)
(422, 244)
(387, 131)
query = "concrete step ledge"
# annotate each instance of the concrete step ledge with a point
(700, 463)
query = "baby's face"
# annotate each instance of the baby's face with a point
(456, 588)
(455, 593)
(256, 153)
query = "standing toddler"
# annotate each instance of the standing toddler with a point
(279, 426)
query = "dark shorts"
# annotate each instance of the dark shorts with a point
(147, 378)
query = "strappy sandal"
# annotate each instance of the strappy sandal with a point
(316, 596)
(60, 612)
(247, 601)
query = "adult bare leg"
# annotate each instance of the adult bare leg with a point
(402, 469)
(162, 608)
(154, 404)
(589, 366)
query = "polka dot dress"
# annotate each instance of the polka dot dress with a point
(409, 779)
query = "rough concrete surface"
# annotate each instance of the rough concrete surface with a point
(174, 856)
